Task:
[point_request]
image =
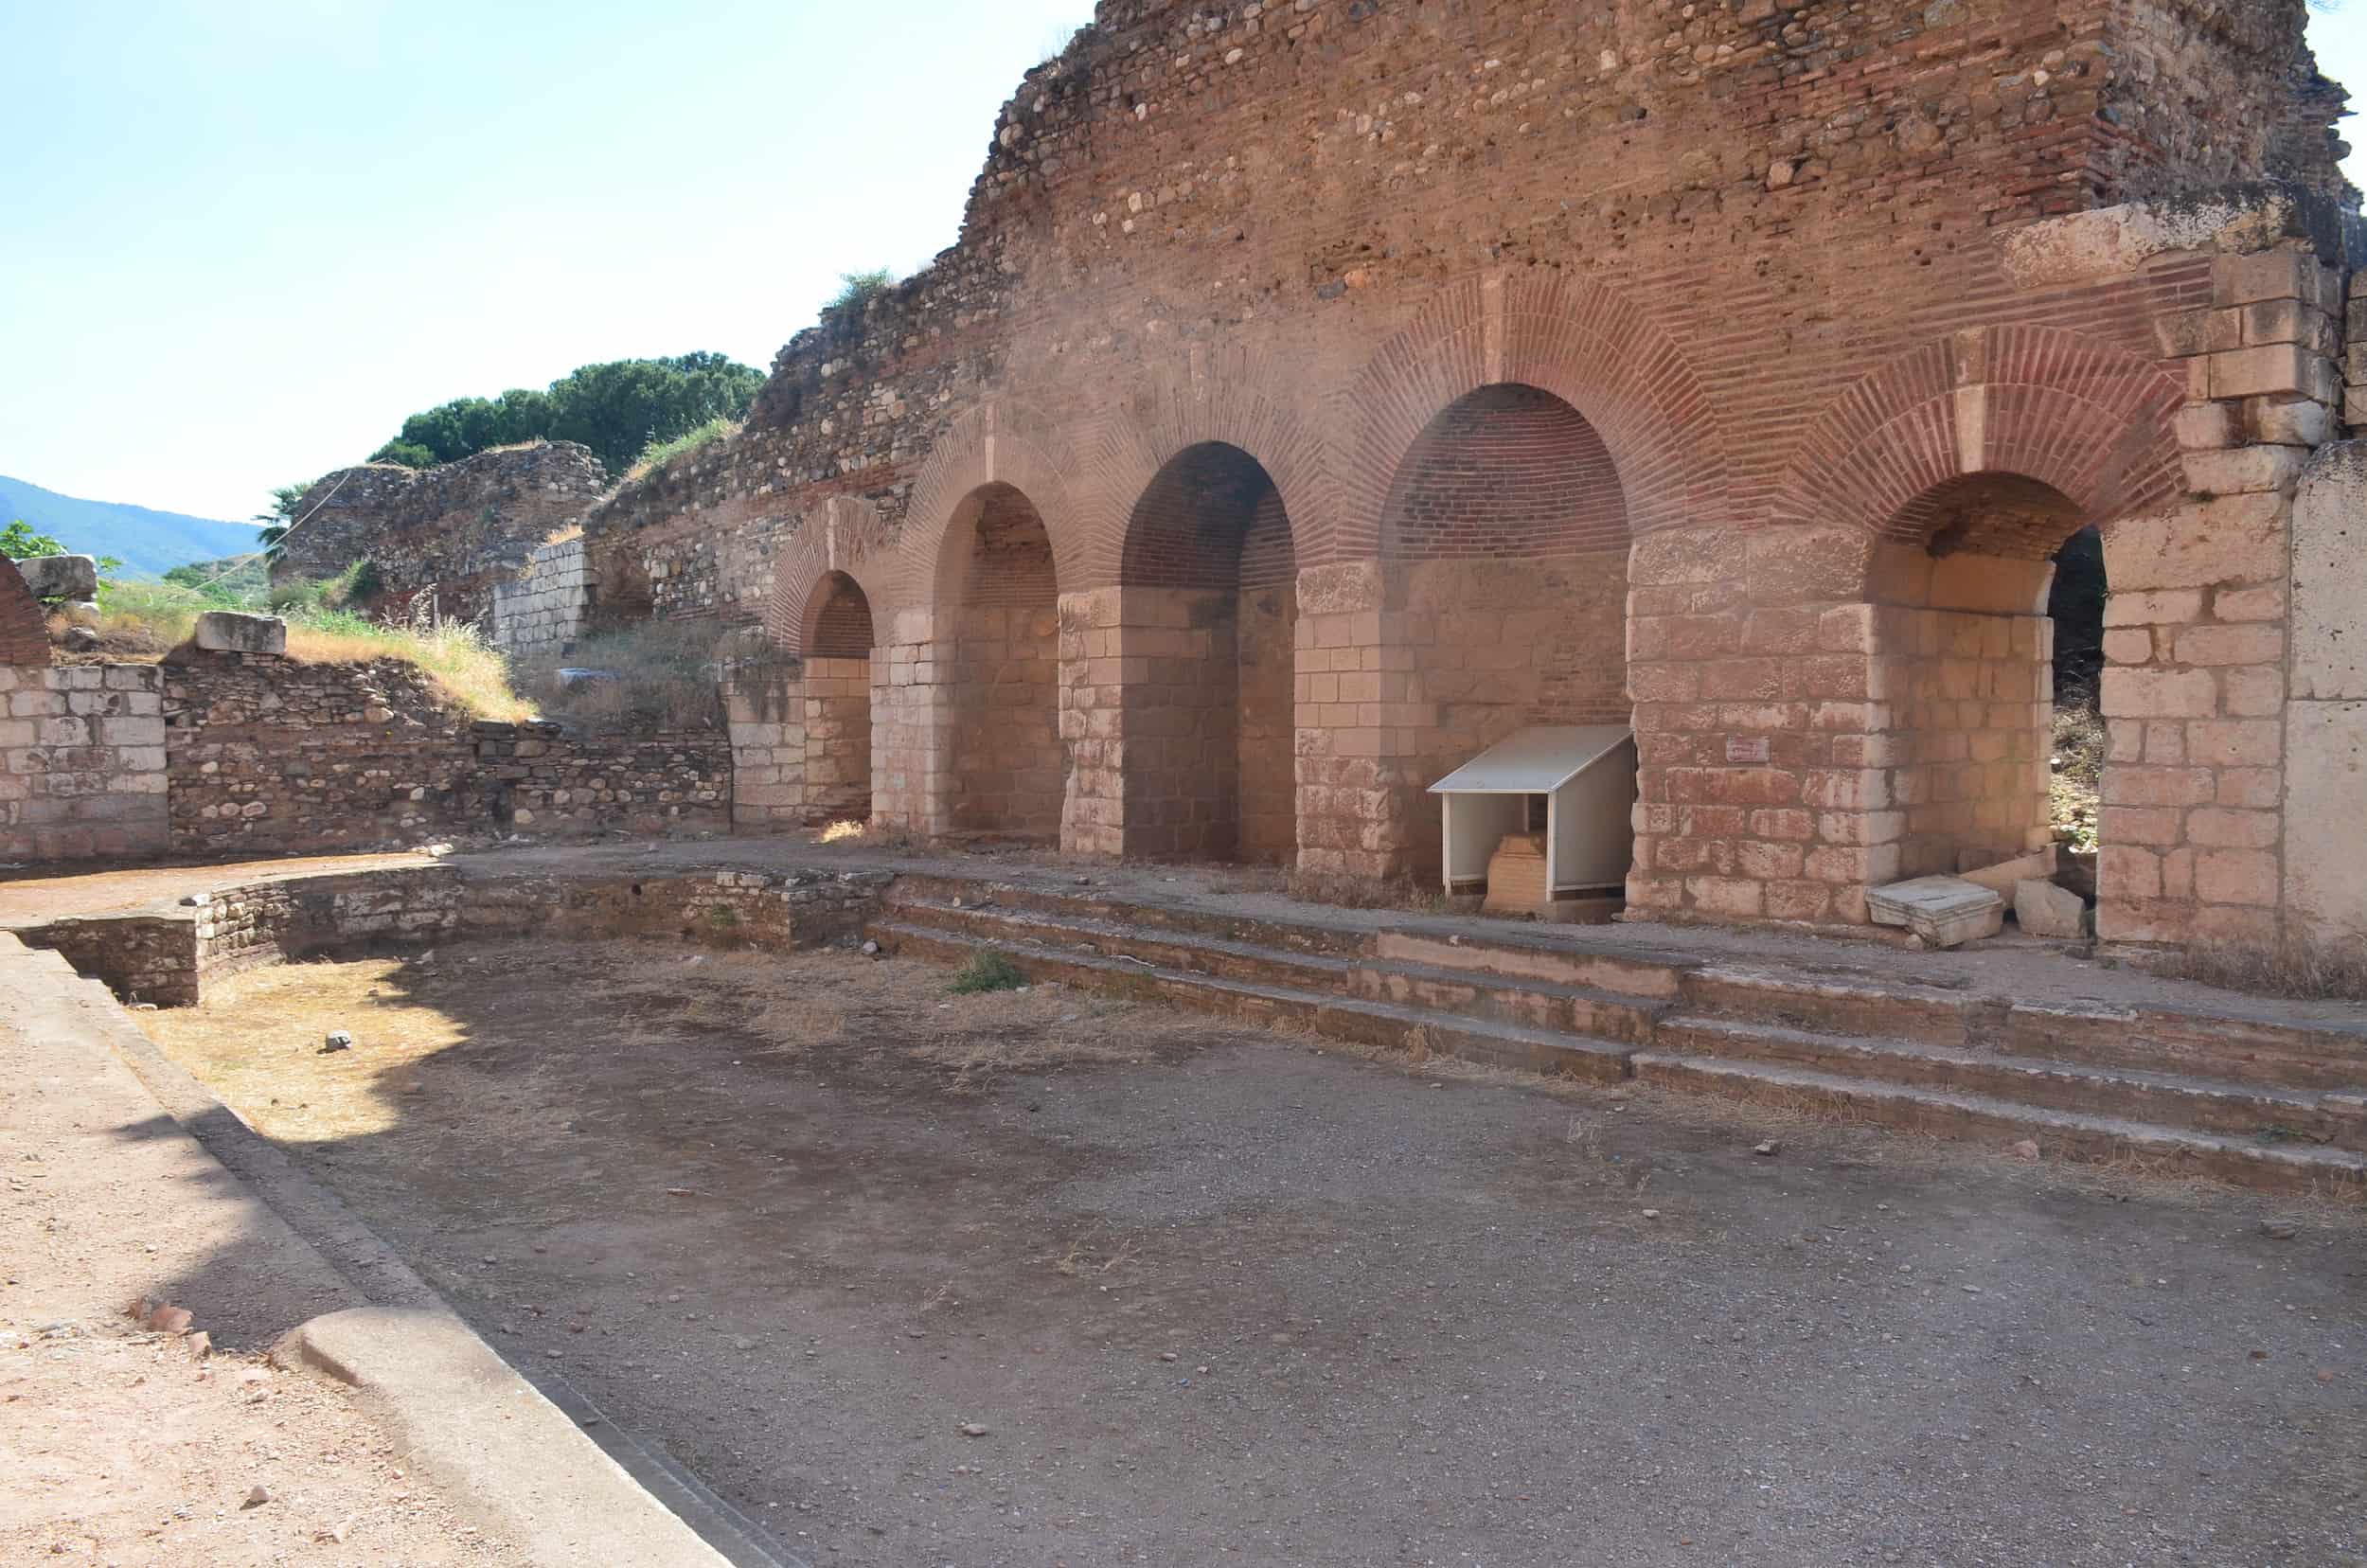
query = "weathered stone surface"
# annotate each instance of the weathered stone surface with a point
(2326, 871)
(1944, 911)
(228, 632)
(2042, 909)
(61, 576)
(2003, 876)
(81, 762)
(2330, 575)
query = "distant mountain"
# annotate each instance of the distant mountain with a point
(147, 542)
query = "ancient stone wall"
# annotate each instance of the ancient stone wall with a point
(268, 754)
(450, 533)
(170, 959)
(543, 610)
(542, 779)
(1745, 291)
(81, 762)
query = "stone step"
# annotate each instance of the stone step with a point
(2291, 1056)
(1537, 1004)
(2060, 1135)
(1337, 1016)
(1086, 901)
(1519, 957)
(2171, 1100)
(1832, 1005)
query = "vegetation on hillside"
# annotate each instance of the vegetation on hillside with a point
(858, 289)
(658, 454)
(147, 540)
(617, 409)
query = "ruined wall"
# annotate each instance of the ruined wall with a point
(267, 755)
(543, 610)
(81, 762)
(1775, 273)
(451, 532)
(541, 778)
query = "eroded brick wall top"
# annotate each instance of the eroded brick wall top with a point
(23, 631)
(1274, 224)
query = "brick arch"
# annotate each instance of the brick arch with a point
(999, 443)
(2080, 415)
(1224, 396)
(1586, 344)
(1506, 470)
(838, 619)
(844, 537)
(24, 630)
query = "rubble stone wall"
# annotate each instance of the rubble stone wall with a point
(448, 534)
(269, 754)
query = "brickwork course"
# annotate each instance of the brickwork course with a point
(24, 630)
(1726, 368)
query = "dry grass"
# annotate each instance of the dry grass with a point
(464, 667)
(564, 535)
(844, 833)
(498, 1027)
(2079, 741)
(658, 455)
(2313, 971)
(665, 676)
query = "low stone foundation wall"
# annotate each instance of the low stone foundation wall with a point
(266, 755)
(81, 762)
(169, 957)
(544, 780)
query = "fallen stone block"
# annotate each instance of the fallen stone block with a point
(1944, 911)
(2043, 909)
(228, 632)
(61, 576)
(1999, 878)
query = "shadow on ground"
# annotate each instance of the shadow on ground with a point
(1037, 1276)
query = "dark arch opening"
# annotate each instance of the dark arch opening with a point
(1212, 590)
(1504, 547)
(1995, 645)
(839, 623)
(1007, 770)
(837, 677)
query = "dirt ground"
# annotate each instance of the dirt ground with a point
(130, 1451)
(1034, 1277)
(118, 1445)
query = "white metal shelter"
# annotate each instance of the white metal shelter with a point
(1587, 774)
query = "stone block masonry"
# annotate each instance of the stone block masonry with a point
(542, 610)
(83, 771)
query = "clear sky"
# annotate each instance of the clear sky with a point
(244, 237)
